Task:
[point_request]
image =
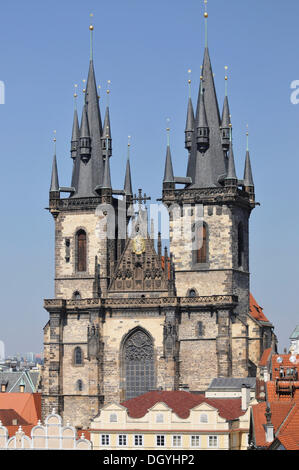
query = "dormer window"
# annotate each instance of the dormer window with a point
(159, 418)
(113, 418)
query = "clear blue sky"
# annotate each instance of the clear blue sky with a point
(145, 48)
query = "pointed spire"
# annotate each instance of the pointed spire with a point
(231, 178)
(226, 122)
(54, 179)
(128, 180)
(106, 137)
(85, 141)
(189, 130)
(248, 178)
(75, 131)
(107, 176)
(202, 125)
(168, 172)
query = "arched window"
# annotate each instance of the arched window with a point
(138, 363)
(81, 251)
(78, 357)
(79, 385)
(240, 245)
(192, 293)
(200, 244)
(76, 295)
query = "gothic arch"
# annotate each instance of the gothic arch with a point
(137, 363)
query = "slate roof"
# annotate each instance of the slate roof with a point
(295, 334)
(13, 380)
(181, 403)
(232, 383)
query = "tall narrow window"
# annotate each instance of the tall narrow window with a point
(81, 251)
(78, 356)
(200, 251)
(139, 367)
(240, 244)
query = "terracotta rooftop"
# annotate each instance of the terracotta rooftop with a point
(26, 405)
(279, 413)
(7, 418)
(181, 403)
(265, 357)
(256, 311)
(282, 361)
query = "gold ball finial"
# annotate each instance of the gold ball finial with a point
(91, 27)
(206, 15)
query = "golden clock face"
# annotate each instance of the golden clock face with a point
(138, 245)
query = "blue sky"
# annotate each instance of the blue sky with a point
(145, 49)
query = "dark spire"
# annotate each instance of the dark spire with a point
(231, 178)
(75, 153)
(248, 179)
(54, 179)
(168, 172)
(206, 170)
(107, 176)
(225, 125)
(85, 141)
(128, 180)
(203, 131)
(106, 137)
(189, 125)
(95, 127)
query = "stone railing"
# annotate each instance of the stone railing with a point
(200, 301)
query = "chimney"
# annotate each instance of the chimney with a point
(245, 397)
(269, 428)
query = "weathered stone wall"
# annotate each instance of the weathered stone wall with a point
(67, 279)
(198, 360)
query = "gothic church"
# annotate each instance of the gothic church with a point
(128, 316)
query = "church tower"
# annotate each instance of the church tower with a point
(209, 240)
(128, 315)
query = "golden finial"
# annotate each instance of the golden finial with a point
(54, 139)
(91, 26)
(247, 137)
(99, 87)
(189, 71)
(108, 86)
(129, 141)
(84, 89)
(206, 12)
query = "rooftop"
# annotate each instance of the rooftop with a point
(181, 403)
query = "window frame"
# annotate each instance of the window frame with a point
(217, 441)
(142, 440)
(125, 436)
(162, 436)
(197, 437)
(179, 437)
(104, 437)
(81, 231)
(197, 264)
(75, 363)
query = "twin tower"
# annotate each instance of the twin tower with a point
(127, 316)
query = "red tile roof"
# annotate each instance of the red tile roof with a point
(285, 364)
(272, 395)
(265, 357)
(85, 432)
(279, 413)
(256, 311)
(27, 405)
(8, 416)
(181, 403)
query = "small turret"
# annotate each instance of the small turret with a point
(225, 125)
(231, 178)
(248, 178)
(168, 180)
(85, 140)
(203, 131)
(106, 138)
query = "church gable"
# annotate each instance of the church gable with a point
(140, 268)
